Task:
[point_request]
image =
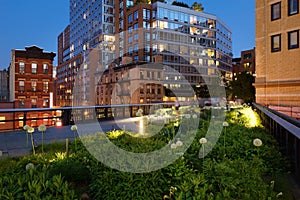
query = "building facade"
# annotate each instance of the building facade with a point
(244, 63)
(4, 92)
(277, 54)
(31, 80)
(193, 46)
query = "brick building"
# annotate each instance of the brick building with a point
(244, 63)
(277, 55)
(31, 81)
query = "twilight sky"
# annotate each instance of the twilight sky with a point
(38, 22)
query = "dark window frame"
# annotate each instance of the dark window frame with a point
(272, 43)
(289, 40)
(289, 8)
(272, 11)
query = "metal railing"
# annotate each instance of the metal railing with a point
(286, 133)
(18, 117)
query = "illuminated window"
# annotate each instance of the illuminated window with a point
(293, 7)
(33, 103)
(45, 103)
(293, 39)
(45, 86)
(21, 103)
(33, 85)
(21, 67)
(276, 11)
(2, 118)
(34, 68)
(276, 43)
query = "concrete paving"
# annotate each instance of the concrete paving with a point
(13, 143)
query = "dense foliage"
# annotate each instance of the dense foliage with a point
(234, 169)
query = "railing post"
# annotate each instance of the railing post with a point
(24, 118)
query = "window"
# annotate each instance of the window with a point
(293, 7)
(130, 50)
(136, 37)
(2, 118)
(130, 18)
(130, 39)
(276, 11)
(45, 103)
(275, 43)
(135, 15)
(135, 26)
(21, 67)
(130, 29)
(45, 68)
(146, 14)
(136, 48)
(135, 58)
(21, 86)
(293, 39)
(21, 103)
(45, 86)
(33, 85)
(33, 68)
(33, 103)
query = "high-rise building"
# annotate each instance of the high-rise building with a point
(277, 54)
(196, 45)
(31, 80)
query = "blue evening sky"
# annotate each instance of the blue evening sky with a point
(39, 22)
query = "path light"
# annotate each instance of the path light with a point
(42, 128)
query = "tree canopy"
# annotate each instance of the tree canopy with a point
(181, 4)
(197, 6)
(242, 88)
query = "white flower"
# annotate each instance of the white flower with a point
(173, 146)
(203, 140)
(30, 130)
(29, 166)
(187, 116)
(225, 124)
(257, 142)
(73, 128)
(42, 128)
(213, 117)
(195, 116)
(179, 143)
(26, 127)
(279, 194)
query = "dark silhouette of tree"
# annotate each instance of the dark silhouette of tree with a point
(181, 4)
(242, 88)
(197, 6)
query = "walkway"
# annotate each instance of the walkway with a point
(14, 143)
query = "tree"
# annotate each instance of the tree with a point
(197, 6)
(181, 4)
(242, 88)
